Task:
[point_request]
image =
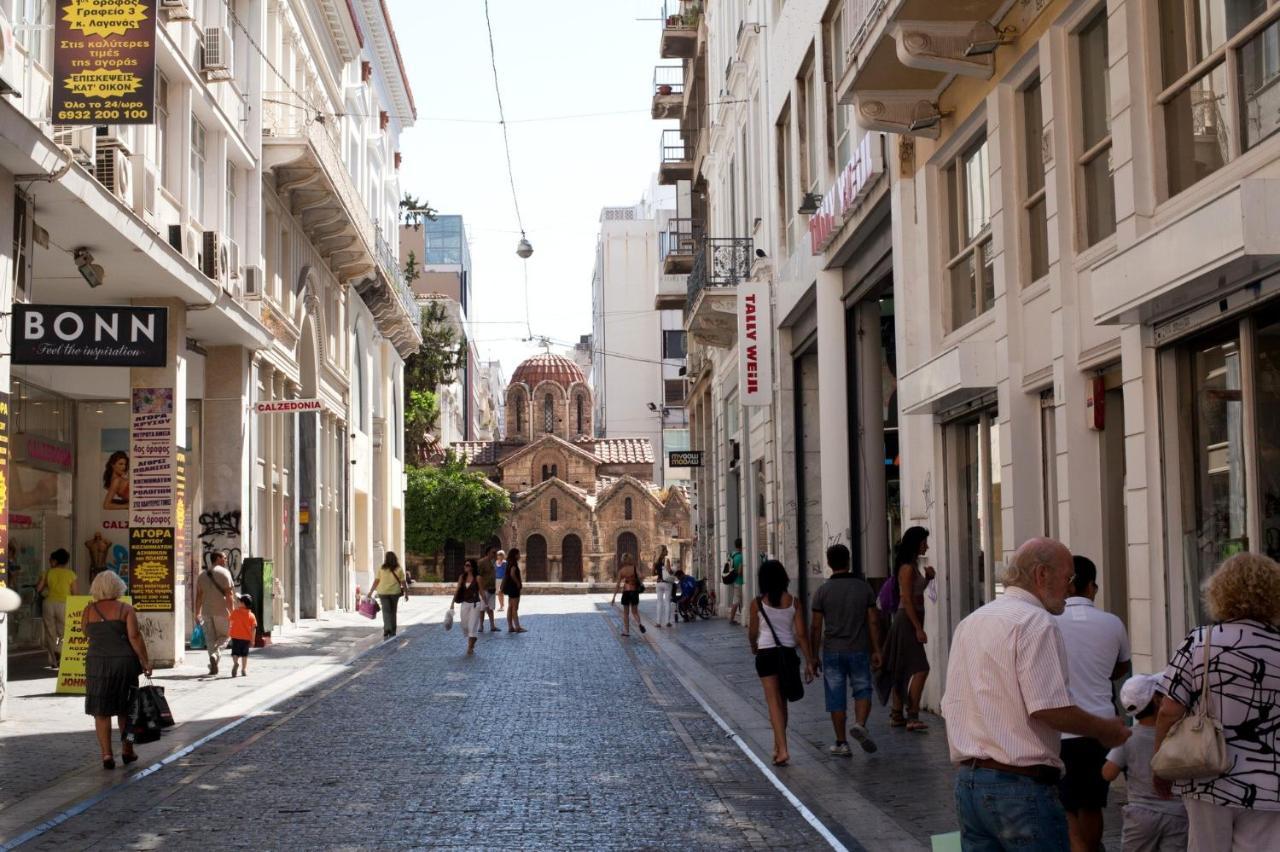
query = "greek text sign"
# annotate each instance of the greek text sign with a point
(288, 406)
(104, 62)
(90, 335)
(755, 344)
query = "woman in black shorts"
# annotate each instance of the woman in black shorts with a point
(512, 584)
(629, 583)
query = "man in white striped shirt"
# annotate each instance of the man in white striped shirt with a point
(1006, 703)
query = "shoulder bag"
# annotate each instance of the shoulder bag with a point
(789, 666)
(1194, 748)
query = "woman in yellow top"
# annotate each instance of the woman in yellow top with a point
(389, 588)
(55, 585)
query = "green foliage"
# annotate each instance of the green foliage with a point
(450, 502)
(442, 353)
(420, 416)
(413, 211)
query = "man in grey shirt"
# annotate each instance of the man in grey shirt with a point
(845, 630)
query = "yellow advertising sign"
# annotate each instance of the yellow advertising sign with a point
(75, 646)
(104, 62)
(104, 17)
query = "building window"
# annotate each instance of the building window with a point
(546, 472)
(674, 344)
(839, 116)
(548, 414)
(554, 514)
(786, 178)
(160, 155)
(970, 271)
(810, 141)
(230, 222)
(198, 141)
(1094, 163)
(581, 413)
(1049, 463)
(626, 509)
(1034, 203)
(673, 392)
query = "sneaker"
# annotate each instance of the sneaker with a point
(840, 749)
(863, 739)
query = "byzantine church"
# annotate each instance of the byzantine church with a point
(579, 502)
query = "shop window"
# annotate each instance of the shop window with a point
(1034, 201)
(974, 453)
(970, 270)
(626, 509)
(1098, 207)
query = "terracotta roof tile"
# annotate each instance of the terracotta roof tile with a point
(624, 450)
(548, 367)
(476, 452)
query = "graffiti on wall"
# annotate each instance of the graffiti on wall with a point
(220, 532)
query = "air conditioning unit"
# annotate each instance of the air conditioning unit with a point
(253, 282)
(114, 136)
(111, 169)
(216, 59)
(146, 182)
(81, 140)
(178, 10)
(213, 257)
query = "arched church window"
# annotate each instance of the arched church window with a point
(555, 470)
(581, 415)
(519, 403)
(548, 414)
(626, 509)
(546, 472)
(555, 509)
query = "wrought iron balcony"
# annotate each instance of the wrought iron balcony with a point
(668, 91)
(680, 20)
(718, 267)
(676, 163)
(678, 244)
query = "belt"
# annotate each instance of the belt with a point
(1040, 773)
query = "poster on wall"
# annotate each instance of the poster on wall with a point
(108, 547)
(755, 344)
(104, 62)
(152, 498)
(75, 646)
(151, 566)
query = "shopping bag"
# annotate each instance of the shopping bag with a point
(145, 720)
(197, 638)
(368, 607)
(448, 619)
(161, 703)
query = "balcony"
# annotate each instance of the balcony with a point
(677, 246)
(676, 161)
(711, 311)
(303, 152)
(680, 20)
(668, 92)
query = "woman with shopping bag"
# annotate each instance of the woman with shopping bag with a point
(469, 597)
(116, 656)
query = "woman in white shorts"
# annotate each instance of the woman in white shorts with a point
(471, 599)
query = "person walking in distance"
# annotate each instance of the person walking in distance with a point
(629, 583)
(662, 583)
(846, 639)
(1006, 703)
(488, 586)
(55, 585)
(244, 624)
(500, 574)
(733, 581)
(774, 648)
(513, 587)
(1097, 653)
(470, 598)
(215, 599)
(906, 665)
(389, 589)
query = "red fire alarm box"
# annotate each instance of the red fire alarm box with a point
(1096, 404)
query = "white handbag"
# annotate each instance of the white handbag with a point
(1194, 749)
(448, 619)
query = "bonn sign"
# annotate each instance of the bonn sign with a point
(90, 335)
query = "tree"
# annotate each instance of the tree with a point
(413, 211)
(448, 503)
(442, 354)
(421, 412)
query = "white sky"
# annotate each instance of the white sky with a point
(554, 59)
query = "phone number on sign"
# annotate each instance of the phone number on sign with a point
(96, 115)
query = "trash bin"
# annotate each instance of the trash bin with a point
(257, 578)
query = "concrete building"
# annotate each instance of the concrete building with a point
(637, 346)
(252, 209)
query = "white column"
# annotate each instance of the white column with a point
(833, 414)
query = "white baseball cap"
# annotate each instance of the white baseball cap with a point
(1138, 691)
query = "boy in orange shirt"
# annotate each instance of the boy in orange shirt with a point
(243, 625)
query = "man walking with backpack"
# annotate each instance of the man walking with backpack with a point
(732, 577)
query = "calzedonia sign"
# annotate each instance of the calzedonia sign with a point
(90, 335)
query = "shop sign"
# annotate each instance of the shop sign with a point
(90, 335)
(755, 344)
(288, 406)
(75, 647)
(104, 62)
(849, 191)
(42, 453)
(152, 555)
(684, 458)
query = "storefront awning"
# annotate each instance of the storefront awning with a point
(964, 372)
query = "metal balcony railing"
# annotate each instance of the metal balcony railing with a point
(674, 149)
(668, 80)
(681, 14)
(681, 237)
(722, 262)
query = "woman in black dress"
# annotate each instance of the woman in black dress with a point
(512, 584)
(116, 656)
(906, 665)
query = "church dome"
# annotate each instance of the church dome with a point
(548, 367)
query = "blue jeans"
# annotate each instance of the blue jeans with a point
(844, 672)
(1000, 812)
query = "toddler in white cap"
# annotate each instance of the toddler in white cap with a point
(1150, 822)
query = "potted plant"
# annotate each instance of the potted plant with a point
(664, 89)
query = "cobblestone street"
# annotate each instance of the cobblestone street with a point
(564, 737)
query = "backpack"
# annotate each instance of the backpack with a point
(888, 599)
(729, 574)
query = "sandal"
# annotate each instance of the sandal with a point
(896, 720)
(916, 726)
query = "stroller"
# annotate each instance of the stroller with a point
(697, 603)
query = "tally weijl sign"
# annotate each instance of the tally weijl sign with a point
(90, 335)
(104, 62)
(755, 344)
